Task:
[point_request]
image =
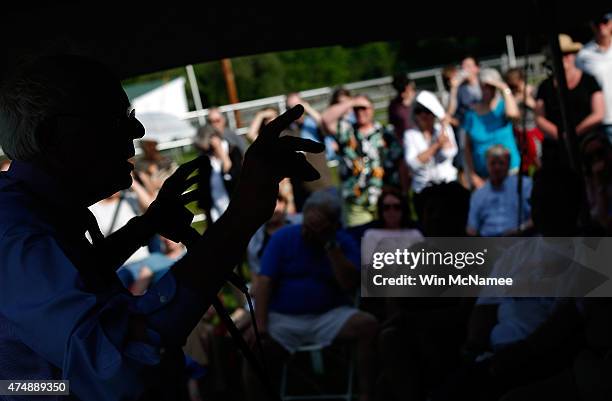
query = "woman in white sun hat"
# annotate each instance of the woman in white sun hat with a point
(429, 148)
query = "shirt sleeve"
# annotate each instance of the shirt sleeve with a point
(527, 186)
(411, 150)
(473, 218)
(310, 130)
(580, 60)
(86, 334)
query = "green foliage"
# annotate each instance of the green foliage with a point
(273, 74)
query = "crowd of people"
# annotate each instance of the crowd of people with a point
(486, 158)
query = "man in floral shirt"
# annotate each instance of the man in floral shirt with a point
(367, 157)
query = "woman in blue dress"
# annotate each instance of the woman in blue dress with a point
(488, 123)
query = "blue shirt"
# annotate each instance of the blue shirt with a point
(310, 130)
(304, 280)
(54, 324)
(487, 130)
(494, 211)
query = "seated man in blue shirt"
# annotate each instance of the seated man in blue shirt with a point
(308, 276)
(63, 311)
(494, 206)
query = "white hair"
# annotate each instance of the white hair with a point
(326, 202)
(35, 92)
(25, 102)
(496, 151)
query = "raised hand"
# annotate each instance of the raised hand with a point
(167, 215)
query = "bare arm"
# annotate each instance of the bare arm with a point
(220, 153)
(426, 155)
(474, 178)
(333, 114)
(598, 111)
(254, 127)
(308, 109)
(452, 98)
(148, 183)
(346, 273)
(227, 163)
(142, 195)
(542, 122)
(511, 108)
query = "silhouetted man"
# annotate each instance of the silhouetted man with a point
(63, 312)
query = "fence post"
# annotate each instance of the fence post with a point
(439, 83)
(195, 93)
(511, 54)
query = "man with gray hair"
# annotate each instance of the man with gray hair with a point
(218, 121)
(309, 273)
(494, 206)
(68, 127)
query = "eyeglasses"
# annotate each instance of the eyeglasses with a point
(360, 108)
(215, 120)
(392, 206)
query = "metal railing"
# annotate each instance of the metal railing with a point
(379, 90)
